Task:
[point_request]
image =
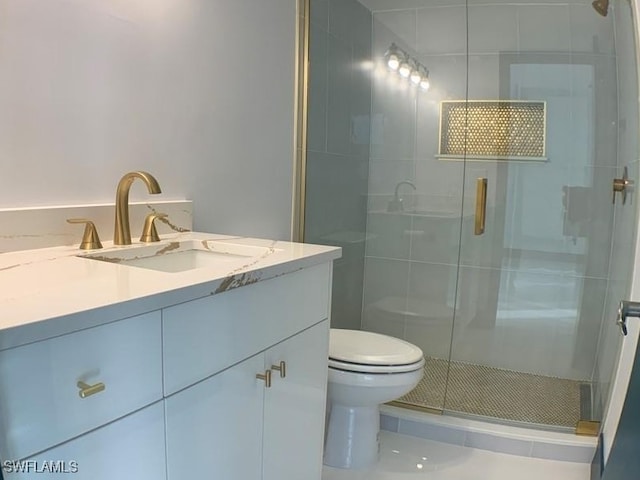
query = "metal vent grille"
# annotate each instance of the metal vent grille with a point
(493, 129)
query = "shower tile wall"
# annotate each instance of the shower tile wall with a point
(338, 145)
(531, 290)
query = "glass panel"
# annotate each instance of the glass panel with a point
(533, 286)
(625, 224)
(339, 104)
(415, 200)
(511, 321)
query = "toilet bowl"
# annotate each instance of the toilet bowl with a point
(365, 370)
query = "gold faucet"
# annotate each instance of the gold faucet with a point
(122, 233)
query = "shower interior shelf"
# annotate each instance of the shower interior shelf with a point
(489, 158)
(490, 130)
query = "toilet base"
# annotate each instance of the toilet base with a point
(352, 439)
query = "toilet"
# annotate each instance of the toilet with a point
(366, 369)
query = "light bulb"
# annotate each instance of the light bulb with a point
(415, 77)
(393, 62)
(405, 69)
(393, 57)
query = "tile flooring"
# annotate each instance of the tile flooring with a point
(497, 392)
(409, 458)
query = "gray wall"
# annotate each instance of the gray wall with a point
(198, 92)
(338, 145)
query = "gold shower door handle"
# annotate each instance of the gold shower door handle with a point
(481, 205)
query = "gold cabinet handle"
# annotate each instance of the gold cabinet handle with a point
(282, 368)
(87, 390)
(481, 205)
(266, 377)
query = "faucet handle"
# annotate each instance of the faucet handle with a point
(90, 239)
(149, 232)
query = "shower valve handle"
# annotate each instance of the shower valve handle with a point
(622, 185)
(627, 309)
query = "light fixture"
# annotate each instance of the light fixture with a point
(424, 79)
(393, 56)
(407, 66)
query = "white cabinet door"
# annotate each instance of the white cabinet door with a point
(214, 428)
(295, 405)
(132, 447)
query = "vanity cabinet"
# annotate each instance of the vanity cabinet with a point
(232, 425)
(182, 395)
(213, 350)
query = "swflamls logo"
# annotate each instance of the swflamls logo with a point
(40, 466)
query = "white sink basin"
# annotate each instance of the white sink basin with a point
(180, 256)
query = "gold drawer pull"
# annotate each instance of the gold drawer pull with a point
(282, 368)
(266, 377)
(88, 390)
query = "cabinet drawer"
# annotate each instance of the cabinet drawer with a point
(132, 447)
(40, 404)
(207, 335)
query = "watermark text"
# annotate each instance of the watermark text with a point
(40, 466)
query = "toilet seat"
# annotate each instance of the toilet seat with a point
(368, 352)
(362, 368)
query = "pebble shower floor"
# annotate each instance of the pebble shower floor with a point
(499, 393)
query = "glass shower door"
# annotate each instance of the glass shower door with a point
(532, 286)
(414, 199)
(513, 321)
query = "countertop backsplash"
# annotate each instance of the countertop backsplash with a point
(43, 227)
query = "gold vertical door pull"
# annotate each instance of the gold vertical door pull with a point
(282, 368)
(266, 377)
(481, 205)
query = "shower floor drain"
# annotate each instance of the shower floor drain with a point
(498, 393)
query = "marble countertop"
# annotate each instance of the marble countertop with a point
(38, 286)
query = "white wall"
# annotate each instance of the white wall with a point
(198, 92)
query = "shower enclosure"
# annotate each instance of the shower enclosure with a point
(476, 216)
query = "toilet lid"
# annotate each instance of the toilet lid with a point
(368, 348)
